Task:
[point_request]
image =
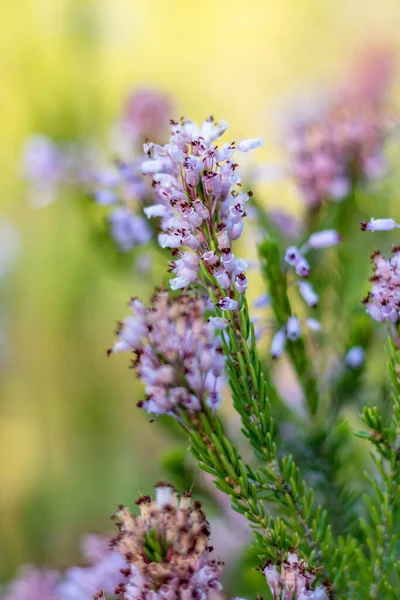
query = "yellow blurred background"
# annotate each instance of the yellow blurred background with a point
(72, 443)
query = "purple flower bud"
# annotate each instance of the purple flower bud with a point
(319, 594)
(302, 267)
(355, 357)
(273, 578)
(165, 495)
(293, 328)
(251, 144)
(379, 225)
(149, 167)
(105, 197)
(228, 260)
(156, 210)
(223, 279)
(278, 343)
(241, 265)
(218, 322)
(322, 239)
(236, 230)
(313, 324)
(308, 294)
(128, 229)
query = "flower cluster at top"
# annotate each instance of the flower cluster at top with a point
(293, 581)
(77, 583)
(177, 353)
(343, 142)
(383, 300)
(199, 203)
(166, 550)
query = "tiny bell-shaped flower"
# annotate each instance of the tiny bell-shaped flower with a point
(241, 283)
(379, 225)
(278, 343)
(313, 324)
(322, 239)
(293, 328)
(165, 495)
(246, 145)
(355, 357)
(218, 322)
(292, 255)
(227, 304)
(308, 294)
(228, 260)
(273, 578)
(302, 267)
(223, 278)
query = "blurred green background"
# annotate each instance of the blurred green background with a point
(72, 443)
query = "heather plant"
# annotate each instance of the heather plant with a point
(320, 497)
(316, 537)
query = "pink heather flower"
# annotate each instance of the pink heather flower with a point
(218, 323)
(178, 356)
(293, 580)
(273, 578)
(383, 300)
(182, 567)
(227, 304)
(379, 225)
(185, 267)
(200, 203)
(241, 283)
